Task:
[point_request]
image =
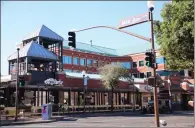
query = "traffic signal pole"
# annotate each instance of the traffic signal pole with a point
(151, 40)
(156, 109)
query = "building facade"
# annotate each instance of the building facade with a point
(44, 54)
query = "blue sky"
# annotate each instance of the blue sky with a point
(18, 19)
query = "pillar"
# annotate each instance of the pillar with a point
(69, 97)
(119, 98)
(128, 97)
(34, 98)
(42, 97)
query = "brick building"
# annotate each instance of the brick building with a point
(45, 47)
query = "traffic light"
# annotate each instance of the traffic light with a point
(21, 81)
(150, 59)
(72, 39)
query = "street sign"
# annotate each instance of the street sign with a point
(134, 20)
(149, 88)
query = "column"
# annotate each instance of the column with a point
(69, 97)
(128, 97)
(78, 99)
(41, 97)
(119, 98)
(74, 98)
(34, 98)
(46, 98)
(97, 97)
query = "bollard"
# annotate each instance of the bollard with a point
(163, 122)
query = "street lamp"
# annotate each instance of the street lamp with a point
(132, 80)
(17, 80)
(169, 87)
(156, 109)
(84, 89)
(133, 92)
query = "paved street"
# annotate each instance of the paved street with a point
(118, 120)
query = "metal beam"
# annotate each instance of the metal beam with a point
(114, 28)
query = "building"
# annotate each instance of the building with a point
(44, 54)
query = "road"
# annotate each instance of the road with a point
(118, 120)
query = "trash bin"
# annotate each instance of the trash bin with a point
(46, 111)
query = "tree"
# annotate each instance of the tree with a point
(175, 34)
(110, 75)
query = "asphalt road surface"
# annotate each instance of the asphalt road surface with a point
(118, 120)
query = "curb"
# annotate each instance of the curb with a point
(28, 122)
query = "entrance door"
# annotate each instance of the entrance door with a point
(184, 102)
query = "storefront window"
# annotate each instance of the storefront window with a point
(178, 97)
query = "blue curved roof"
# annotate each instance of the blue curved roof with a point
(33, 49)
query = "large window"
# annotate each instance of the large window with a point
(160, 60)
(141, 75)
(141, 63)
(89, 62)
(148, 74)
(95, 63)
(82, 61)
(126, 65)
(135, 75)
(76, 61)
(67, 59)
(134, 64)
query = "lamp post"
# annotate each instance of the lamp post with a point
(132, 80)
(151, 8)
(17, 80)
(169, 87)
(133, 92)
(84, 89)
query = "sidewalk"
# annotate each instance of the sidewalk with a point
(28, 121)
(184, 112)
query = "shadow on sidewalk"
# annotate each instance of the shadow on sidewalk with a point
(126, 114)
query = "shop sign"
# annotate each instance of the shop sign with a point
(148, 88)
(53, 82)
